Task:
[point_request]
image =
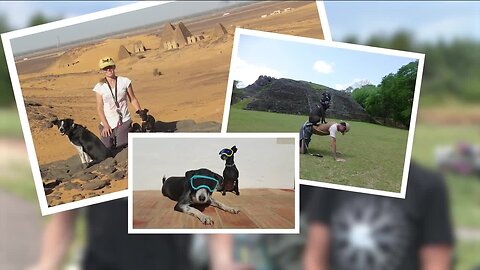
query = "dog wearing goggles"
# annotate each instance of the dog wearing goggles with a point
(230, 173)
(195, 188)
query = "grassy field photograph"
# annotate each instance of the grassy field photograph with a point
(360, 137)
(361, 147)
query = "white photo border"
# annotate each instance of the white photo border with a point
(132, 136)
(6, 40)
(420, 57)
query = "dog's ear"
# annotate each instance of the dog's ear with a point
(234, 149)
(55, 121)
(146, 110)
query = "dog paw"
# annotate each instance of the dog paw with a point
(234, 210)
(206, 220)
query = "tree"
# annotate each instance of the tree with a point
(361, 94)
(6, 91)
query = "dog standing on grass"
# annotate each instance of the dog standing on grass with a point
(195, 188)
(230, 173)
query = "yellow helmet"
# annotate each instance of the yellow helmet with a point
(106, 62)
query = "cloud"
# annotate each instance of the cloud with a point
(248, 73)
(356, 83)
(323, 67)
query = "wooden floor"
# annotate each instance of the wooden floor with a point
(259, 208)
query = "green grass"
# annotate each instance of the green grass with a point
(242, 104)
(10, 123)
(466, 253)
(375, 154)
(464, 191)
(17, 179)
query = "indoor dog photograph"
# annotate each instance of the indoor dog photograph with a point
(212, 181)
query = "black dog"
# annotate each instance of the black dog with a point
(90, 149)
(148, 121)
(318, 113)
(196, 187)
(230, 173)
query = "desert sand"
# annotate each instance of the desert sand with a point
(192, 84)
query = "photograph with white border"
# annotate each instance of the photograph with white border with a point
(213, 183)
(323, 90)
(160, 50)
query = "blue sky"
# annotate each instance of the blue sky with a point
(426, 20)
(18, 14)
(157, 14)
(337, 68)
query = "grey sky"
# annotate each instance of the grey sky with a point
(113, 24)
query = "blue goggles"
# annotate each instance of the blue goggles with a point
(202, 181)
(227, 151)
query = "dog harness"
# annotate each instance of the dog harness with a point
(196, 184)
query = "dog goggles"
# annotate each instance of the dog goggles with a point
(227, 152)
(202, 181)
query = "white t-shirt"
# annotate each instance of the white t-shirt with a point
(109, 107)
(333, 130)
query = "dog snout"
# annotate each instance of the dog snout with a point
(202, 198)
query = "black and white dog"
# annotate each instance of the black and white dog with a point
(90, 149)
(195, 188)
(148, 121)
(317, 114)
(230, 173)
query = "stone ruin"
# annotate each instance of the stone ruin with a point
(175, 37)
(219, 30)
(138, 47)
(194, 39)
(178, 37)
(123, 53)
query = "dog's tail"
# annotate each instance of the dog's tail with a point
(164, 178)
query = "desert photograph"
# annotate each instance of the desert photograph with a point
(352, 106)
(212, 181)
(178, 69)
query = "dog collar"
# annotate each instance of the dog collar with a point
(199, 186)
(230, 165)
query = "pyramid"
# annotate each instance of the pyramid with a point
(123, 53)
(168, 33)
(175, 35)
(219, 30)
(182, 33)
(138, 47)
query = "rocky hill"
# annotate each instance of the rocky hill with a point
(297, 97)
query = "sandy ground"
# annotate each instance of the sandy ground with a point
(192, 85)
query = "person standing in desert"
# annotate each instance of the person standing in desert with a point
(112, 92)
